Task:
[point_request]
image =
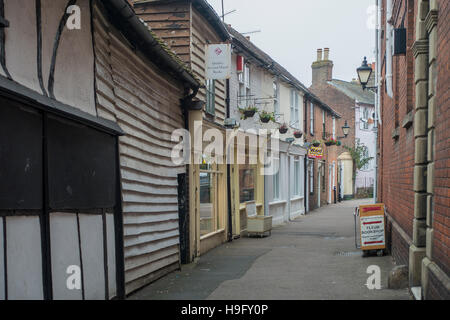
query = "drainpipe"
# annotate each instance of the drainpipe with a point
(377, 101)
(230, 211)
(389, 48)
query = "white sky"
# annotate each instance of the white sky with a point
(293, 30)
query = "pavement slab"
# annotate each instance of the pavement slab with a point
(312, 257)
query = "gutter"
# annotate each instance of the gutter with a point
(148, 43)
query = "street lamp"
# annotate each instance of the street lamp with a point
(364, 73)
(346, 130)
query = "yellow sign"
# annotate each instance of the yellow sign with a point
(315, 152)
(373, 232)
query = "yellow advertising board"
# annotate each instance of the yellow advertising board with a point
(315, 152)
(372, 224)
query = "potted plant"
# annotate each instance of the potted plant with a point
(248, 112)
(298, 134)
(284, 128)
(330, 142)
(265, 116)
(338, 143)
(316, 143)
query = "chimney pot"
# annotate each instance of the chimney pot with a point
(248, 38)
(326, 54)
(319, 54)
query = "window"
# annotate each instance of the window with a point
(322, 173)
(210, 96)
(311, 117)
(247, 181)
(209, 205)
(324, 129)
(366, 155)
(244, 88)
(276, 180)
(295, 112)
(297, 177)
(334, 128)
(311, 176)
(276, 100)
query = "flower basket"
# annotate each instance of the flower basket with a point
(284, 129)
(316, 143)
(248, 112)
(330, 142)
(339, 143)
(298, 134)
(265, 116)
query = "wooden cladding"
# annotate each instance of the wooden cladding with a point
(145, 102)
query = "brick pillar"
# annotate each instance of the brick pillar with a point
(420, 50)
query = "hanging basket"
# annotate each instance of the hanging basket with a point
(284, 129)
(298, 134)
(316, 144)
(249, 113)
(265, 119)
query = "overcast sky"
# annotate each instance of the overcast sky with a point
(293, 30)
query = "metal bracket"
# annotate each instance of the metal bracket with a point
(4, 23)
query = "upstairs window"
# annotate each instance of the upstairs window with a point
(311, 117)
(276, 100)
(295, 109)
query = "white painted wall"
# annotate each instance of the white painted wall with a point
(74, 72)
(64, 253)
(24, 265)
(365, 177)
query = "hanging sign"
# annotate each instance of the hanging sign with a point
(373, 235)
(315, 152)
(218, 61)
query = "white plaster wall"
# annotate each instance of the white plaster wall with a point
(74, 72)
(111, 255)
(64, 253)
(24, 258)
(367, 137)
(91, 235)
(21, 56)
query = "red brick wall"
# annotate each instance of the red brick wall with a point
(441, 219)
(396, 166)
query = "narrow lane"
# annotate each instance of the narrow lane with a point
(313, 257)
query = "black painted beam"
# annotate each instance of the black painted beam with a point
(4, 23)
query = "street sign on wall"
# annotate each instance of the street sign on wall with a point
(218, 61)
(373, 235)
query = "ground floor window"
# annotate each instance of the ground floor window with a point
(311, 176)
(209, 203)
(276, 180)
(297, 176)
(247, 183)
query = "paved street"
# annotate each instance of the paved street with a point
(313, 257)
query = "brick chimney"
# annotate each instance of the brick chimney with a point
(322, 69)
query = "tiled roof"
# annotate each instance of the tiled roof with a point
(354, 91)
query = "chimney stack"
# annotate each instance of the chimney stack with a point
(322, 69)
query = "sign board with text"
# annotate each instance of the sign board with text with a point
(372, 222)
(315, 152)
(218, 61)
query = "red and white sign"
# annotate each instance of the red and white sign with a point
(373, 236)
(218, 61)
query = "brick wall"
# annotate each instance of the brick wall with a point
(441, 218)
(396, 165)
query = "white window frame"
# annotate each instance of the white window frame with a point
(297, 176)
(334, 127)
(311, 117)
(276, 99)
(276, 180)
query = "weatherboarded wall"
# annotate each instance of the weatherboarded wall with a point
(145, 103)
